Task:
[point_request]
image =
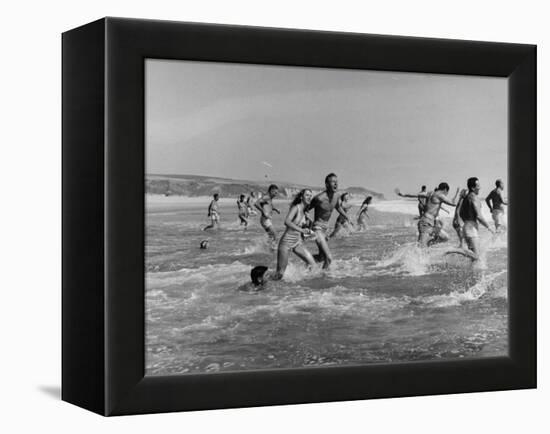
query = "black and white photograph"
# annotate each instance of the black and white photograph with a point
(154, 281)
(305, 217)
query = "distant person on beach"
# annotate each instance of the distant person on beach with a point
(434, 200)
(470, 213)
(495, 203)
(458, 224)
(323, 204)
(213, 213)
(342, 222)
(362, 214)
(266, 208)
(258, 279)
(243, 211)
(291, 241)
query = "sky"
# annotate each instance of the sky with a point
(378, 130)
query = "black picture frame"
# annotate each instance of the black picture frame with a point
(103, 215)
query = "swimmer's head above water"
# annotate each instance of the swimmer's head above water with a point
(257, 275)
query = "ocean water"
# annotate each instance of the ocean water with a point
(383, 300)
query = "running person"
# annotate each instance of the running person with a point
(470, 213)
(291, 241)
(213, 213)
(243, 211)
(342, 221)
(323, 204)
(427, 222)
(362, 214)
(495, 203)
(266, 208)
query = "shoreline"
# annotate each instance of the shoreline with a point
(156, 202)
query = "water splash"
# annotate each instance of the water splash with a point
(411, 259)
(259, 245)
(484, 286)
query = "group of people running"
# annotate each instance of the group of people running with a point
(299, 226)
(467, 215)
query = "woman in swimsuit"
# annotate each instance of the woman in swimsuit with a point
(292, 238)
(362, 214)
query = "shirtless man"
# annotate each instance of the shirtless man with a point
(266, 208)
(213, 213)
(434, 200)
(495, 201)
(323, 204)
(470, 213)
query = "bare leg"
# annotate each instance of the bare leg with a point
(324, 251)
(460, 237)
(272, 237)
(304, 255)
(423, 238)
(282, 262)
(473, 245)
(361, 224)
(337, 229)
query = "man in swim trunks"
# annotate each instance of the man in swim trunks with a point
(470, 213)
(266, 208)
(213, 213)
(243, 211)
(495, 203)
(323, 204)
(458, 224)
(434, 200)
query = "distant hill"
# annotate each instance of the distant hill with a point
(196, 185)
